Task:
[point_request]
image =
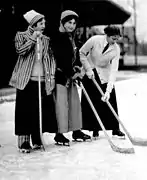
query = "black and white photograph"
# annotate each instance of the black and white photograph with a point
(73, 90)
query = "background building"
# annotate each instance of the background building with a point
(91, 12)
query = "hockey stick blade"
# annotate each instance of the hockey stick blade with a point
(113, 146)
(135, 141)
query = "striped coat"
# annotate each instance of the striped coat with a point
(26, 50)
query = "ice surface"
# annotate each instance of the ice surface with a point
(93, 160)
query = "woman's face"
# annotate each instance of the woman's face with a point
(70, 25)
(40, 26)
(113, 39)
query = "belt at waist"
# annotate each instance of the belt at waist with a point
(36, 78)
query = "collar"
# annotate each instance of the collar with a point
(61, 28)
(105, 41)
(111, 46)
(30, 30)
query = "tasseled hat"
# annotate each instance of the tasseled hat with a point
(32, 17)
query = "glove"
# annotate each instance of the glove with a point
(36, 34)
(106, 96)
(77, 75)
(90, 74)
(78, 72)
(77, 69)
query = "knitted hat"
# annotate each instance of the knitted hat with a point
(66, 13)
(65, 17)
(32, 17)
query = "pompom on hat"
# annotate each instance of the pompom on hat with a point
(32, 17)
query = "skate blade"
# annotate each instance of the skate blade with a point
(62, 144)
(77, 140)
(119, 137)
(95, 138)
(82, 140)
(88, 140)
(37, 148)
(25, 151)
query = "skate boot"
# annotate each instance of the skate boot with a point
(79, 135)
(37, 147)
(118, 133)
(36, 142)
(61, 139)
(95, 134)
(25, 148)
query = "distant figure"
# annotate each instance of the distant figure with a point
(100, 58)
(25, 79)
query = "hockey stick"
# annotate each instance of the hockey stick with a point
(113, 146)
(39, 93)
(135, 141)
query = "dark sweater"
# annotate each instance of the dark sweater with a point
(64, 55)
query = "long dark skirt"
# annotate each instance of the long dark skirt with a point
(27, 111)
(89, 120)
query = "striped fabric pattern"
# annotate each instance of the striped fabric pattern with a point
(26, 50)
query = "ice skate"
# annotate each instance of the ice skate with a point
(95, 134)
(37, 147)
(25, 148)
(118, 133)
(79, 135)
(61, 140)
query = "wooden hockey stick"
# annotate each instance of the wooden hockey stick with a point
(135, 141)
(113, 146)
(40, 101)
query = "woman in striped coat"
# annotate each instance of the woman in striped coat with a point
(25, 80)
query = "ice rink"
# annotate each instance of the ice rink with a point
(93, 160)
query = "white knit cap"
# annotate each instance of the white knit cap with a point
(68, 13)
(32, 17)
